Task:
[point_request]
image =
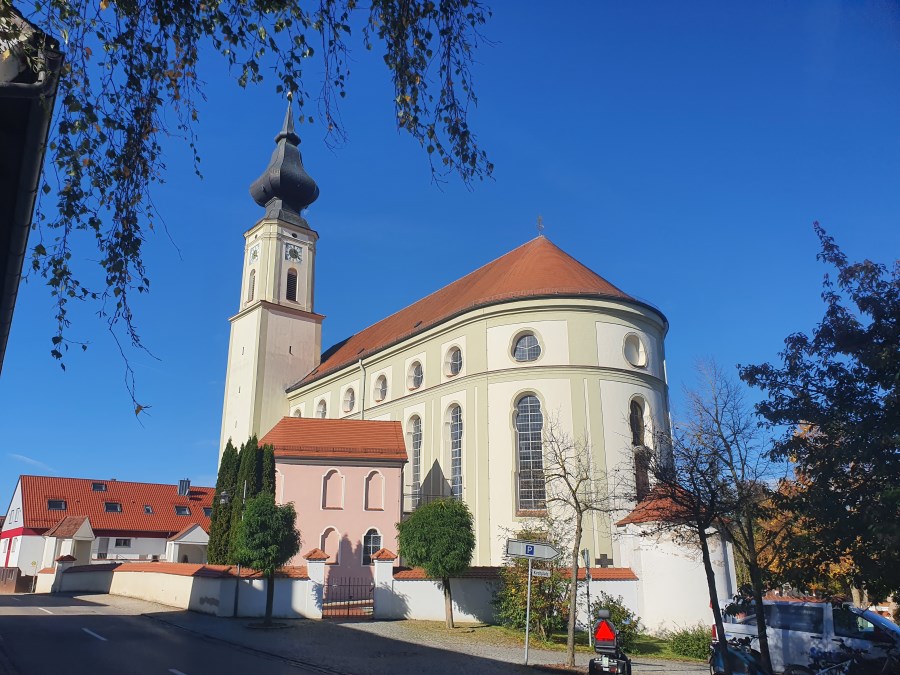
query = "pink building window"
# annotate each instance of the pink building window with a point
(331, 544)
(375, 492)
(333, 490)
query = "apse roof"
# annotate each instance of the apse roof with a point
(313, 438)
(537, 269)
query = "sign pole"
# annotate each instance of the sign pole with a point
(528, 612)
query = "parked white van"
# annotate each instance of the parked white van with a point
(797, 630)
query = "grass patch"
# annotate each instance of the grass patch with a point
(501, 636)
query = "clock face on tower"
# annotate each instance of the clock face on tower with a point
(292, 252)
(254, 255)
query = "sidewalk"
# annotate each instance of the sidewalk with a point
(367, 647)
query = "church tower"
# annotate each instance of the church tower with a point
(276, 336)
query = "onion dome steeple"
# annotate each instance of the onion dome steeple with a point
(284, 188)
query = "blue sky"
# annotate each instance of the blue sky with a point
(681, 150)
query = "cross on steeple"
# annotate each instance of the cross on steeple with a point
(540, 225)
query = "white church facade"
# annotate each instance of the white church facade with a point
(473, 372)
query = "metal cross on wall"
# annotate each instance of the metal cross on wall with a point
(603, 560)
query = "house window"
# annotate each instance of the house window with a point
(330, 543)
(148, 509)
(98, 487)
(123, 543)
(112, 507)
(371, 545)
(182, 510)
(322, 410)
(291, 291)
(349, 399)
(415, 426)
(456, 432)
(641, 453)
(527, 348)
(454, 362)
(380, 388)
(251, 286)
(416, 376)
(529, 427)
(375, 492)
(207, 511)
(333, 490)
(14, 542)
(56, 504)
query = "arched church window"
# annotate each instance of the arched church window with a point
(527, 348)
(371, 545)
(298, 413)
(380, 388)
(415, 434)
(291, 290)
(330, 543)
(416, 376)
(333, 490)
(349, 399)
(454, 361)
(251, 286)
(322, 410)
(375, 491)
(641, 453)
(456, 432)
(529, 448)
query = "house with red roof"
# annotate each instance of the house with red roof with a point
(345, 479)
(98, 520)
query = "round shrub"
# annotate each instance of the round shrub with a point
(692, 641)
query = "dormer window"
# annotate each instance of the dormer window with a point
(56, 504)
(182, 510)
(98, 487)
(112, 507)
(207, 511)
(148, 509)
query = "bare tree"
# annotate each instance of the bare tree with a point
(712, 476)
(574, 489)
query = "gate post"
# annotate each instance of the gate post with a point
(315, 570)
(383, 594)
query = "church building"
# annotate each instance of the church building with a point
(472, 373)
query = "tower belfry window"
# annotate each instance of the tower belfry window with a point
(291, 291)
(251, 286)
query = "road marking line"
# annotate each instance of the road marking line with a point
(90, 632)
(45, 610)
(176, 672)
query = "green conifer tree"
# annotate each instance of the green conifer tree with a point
(268, 469)
(220, 523)
(249, 483)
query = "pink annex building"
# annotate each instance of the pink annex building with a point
(345, 479)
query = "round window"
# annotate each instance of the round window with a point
(454, 362)
(380, 388)
(634, 350)
(526, 348)
(416, 376)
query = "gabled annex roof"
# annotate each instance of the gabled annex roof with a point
(67, 527)
(536, 269)
(334, 440)
(82, 500)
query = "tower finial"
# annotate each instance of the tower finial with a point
(540, 225)
(284, 188)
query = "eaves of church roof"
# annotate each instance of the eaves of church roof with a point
(537, 269)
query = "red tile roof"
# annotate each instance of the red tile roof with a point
(188, 570)
(534, 270)
(81, 500)
(317, 554)
(313, 438)
(655, 507)
(384, 554)
(66, 558)
(66, 527)
(597, 573)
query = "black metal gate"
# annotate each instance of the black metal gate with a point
(345, 598)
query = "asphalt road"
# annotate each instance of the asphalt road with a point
(50, 634)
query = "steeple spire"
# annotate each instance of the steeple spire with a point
(284, 188)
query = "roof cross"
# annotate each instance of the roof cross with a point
(540, 225)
